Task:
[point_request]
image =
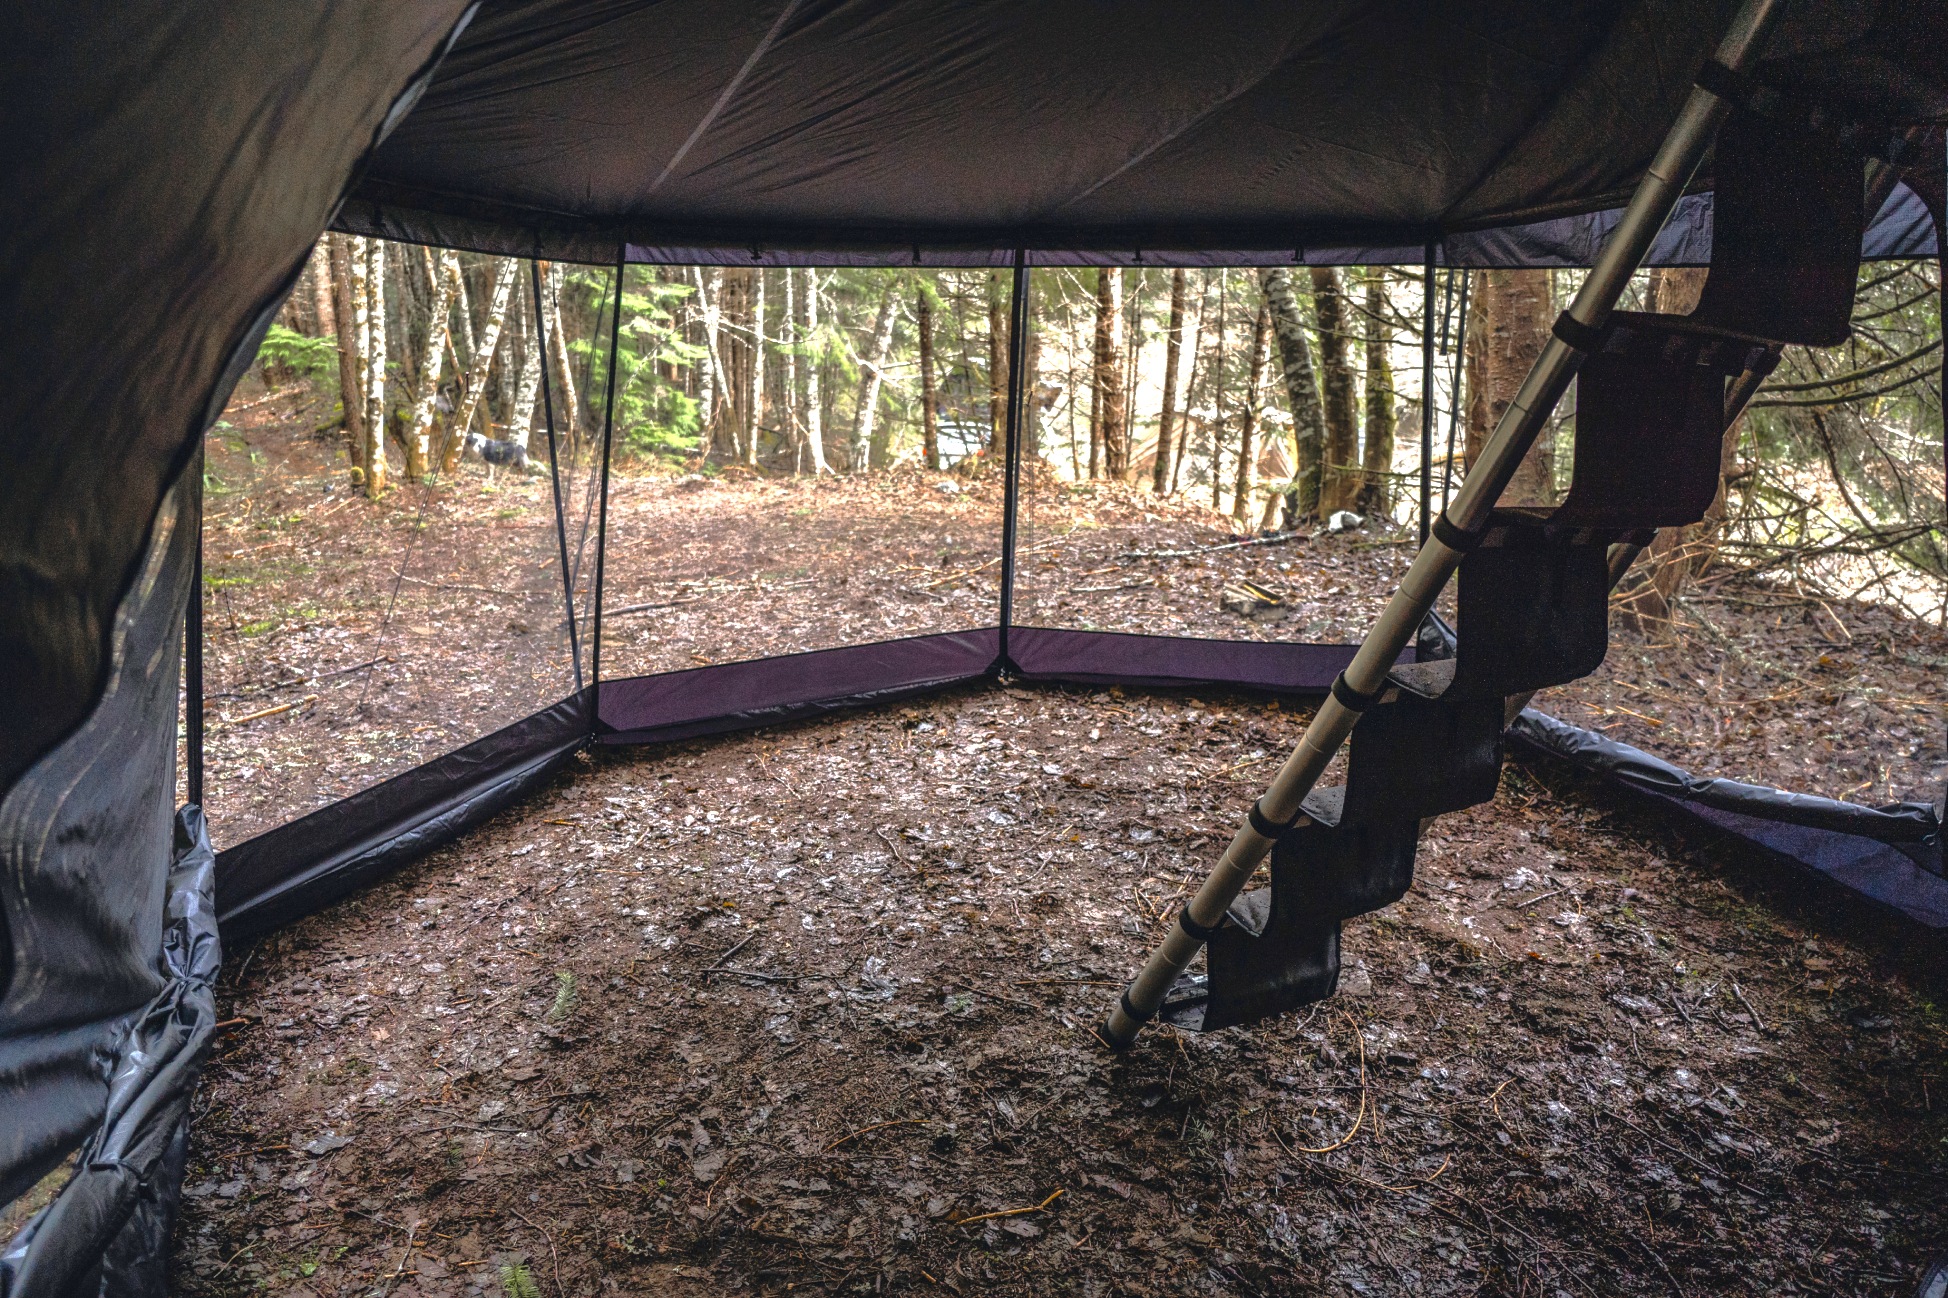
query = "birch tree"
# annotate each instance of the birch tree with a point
(483, 363)
(445, 276)
(791, 327)
(1301, 385)
(557, 349)
(814, 424)
(864, 451)
(375, 370)
(754, 415)
(528, 387)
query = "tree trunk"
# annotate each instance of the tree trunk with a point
(793, 328)
(1301, 388)
(869, 450)
(708, 407)
(1514, 319)
(1241, 498)
(374, 463)
(1376, 494)
(446, 278)
(1109, 374)
(1190, 388)
(929, 401)
(483, 363)
(1217, 423)
(754, 396)
(997, 368)
(1031, 435)
(814, 427)
(349, 297)
(1339, 481)
(322, 283)
(569, 401)
(1172, 348)
(521, 420)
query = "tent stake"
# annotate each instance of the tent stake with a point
(1365, 678)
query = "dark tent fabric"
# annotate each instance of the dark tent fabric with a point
(168, 168)
(560, 129)
(1890, 854)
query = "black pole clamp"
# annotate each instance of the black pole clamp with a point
(1453, 537)
(1351, 699)
(1573, 332)
(1131, 1010)
(1264, 826)
(1195, 929)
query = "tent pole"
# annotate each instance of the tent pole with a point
(1454, 384)
(1426, 394)
(1011, 477)
(554, 472)
(1464, 520)
(602, 510)
(193, 654)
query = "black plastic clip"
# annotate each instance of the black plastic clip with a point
(1573, 332)
(1453, 537)
(1264, 826)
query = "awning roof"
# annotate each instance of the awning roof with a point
(897, 131)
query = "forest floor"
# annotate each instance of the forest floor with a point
(808, 1008)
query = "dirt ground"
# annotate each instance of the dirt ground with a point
(351, 640)
(807, 1009)
(798, 1010)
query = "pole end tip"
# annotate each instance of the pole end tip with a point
(1105, 1034)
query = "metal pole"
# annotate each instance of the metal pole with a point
(554, 475)
(1454, 386)
(1365, 678)
(1426, 395)
(602, 517)
(1011, 478)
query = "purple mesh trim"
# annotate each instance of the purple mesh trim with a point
(1118, 658)
(765, 691)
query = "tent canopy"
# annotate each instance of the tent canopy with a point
(929, 132)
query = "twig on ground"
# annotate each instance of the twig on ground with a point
(1360, 1117)
(1013, 1212)
(899, 1122)
(553, 1256)
(405, 1257)
(1749, 1008)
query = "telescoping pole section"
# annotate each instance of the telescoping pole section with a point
(1453, 534)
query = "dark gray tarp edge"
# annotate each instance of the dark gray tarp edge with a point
(1890, 855)
(1902, 229)
(85, 838)
(302, 866)
(108, 1231)
(1900, 822)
